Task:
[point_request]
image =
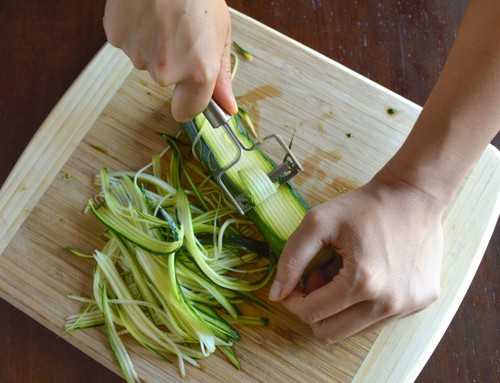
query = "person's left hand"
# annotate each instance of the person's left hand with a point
(389, 237)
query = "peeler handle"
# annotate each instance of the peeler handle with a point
(215, 114)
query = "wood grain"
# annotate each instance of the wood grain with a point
(412, 77)
(109, 118)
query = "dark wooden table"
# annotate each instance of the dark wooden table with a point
(400, 44)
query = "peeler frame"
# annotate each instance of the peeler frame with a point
(282, 173)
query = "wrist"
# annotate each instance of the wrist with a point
(415, 184)
(436, 156)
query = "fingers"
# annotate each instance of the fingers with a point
(223, 91)
(192, 53)
(301, 248)
(189, 100)
(324, 302)
(388, 270)
(330, 324)
(191, 97)
(117, 20)
(361, 318)
(355, 320)
(342, 308)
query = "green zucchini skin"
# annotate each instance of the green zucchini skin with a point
(209, 160)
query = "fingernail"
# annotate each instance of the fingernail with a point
(275, 291)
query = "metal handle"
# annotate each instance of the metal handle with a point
(215, 114)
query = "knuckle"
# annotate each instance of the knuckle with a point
(138, 62)
(434, 294)
(113, 39)
(315, 217)
(205, 73)
(113, 35)
(202, 78)
(159, 70)
(135, 57)
(394, 304)
(390, 306)
(325, 338)
(366, 284)
(310, 317)
(426, 300)
(430, 295)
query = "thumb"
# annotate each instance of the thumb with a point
(189, 100)
(310, 237)
(223, 91)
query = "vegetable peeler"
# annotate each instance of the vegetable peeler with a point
(282, 174)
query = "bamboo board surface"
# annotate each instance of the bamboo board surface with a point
(109, 118)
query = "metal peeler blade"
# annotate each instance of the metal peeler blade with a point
(282, 174)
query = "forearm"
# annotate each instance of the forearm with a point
(462, 114)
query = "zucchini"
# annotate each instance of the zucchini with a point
(175, 266)
(277, 211)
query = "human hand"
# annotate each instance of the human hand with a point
(389, 237)
(181, 42)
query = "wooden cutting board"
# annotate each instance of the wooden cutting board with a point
(344, 134)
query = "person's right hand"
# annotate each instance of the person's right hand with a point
(185, 43)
